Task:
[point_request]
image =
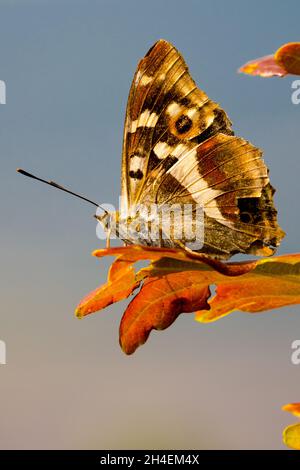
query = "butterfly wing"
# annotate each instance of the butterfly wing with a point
(179, 148)
(165, 108)
(227, 178)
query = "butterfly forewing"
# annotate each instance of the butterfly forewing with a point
(164, 108)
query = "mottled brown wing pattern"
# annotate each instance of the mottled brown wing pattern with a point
(179, 148)
(228, 178)
(165, 108)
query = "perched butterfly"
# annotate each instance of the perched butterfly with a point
(179, 148)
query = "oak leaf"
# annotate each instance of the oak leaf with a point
(177, 281)
(120, 284)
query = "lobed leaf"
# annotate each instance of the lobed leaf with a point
(158, 304)
(273, 283)
(177, 281)
(120, 284)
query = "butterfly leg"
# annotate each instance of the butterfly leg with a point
(108, 238)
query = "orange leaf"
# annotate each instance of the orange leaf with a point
(134, 253)
(263, 67)
(293, 408)
(120, 284)
(178, 281)
(288, 57)
(273, 283)
(158, 304)
(286, 60)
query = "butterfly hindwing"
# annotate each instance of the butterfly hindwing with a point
(226, 176)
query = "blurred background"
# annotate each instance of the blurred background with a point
(68, 66)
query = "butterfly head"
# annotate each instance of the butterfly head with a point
(109, 222)
(104, 219)
(131, 228)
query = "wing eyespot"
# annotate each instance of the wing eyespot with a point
(183, 124)
(245, 217)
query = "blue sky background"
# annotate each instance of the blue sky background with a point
(68, 66)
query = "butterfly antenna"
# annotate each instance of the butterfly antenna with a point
(58, 186)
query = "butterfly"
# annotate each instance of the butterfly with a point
(179, 149)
